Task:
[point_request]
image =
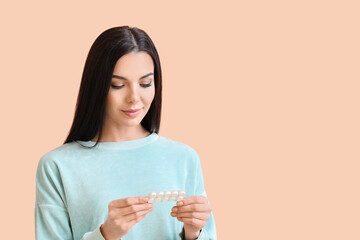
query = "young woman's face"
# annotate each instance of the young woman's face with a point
(132, 87)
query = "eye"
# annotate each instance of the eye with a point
(146, 85)
(143, 85)
(116, 87)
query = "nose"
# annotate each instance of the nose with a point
(133, 95)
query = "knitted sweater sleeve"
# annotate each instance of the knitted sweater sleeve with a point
(208, 232)
(52, 219)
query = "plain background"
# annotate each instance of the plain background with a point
(267, 93)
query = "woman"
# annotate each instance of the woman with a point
(95, 186)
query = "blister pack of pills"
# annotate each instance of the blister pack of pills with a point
(165, 196)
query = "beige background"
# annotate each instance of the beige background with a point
(267, 93)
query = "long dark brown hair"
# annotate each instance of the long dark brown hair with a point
(108, 47)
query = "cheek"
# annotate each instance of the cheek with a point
(148, 101)
(150, 96)
(112, 102)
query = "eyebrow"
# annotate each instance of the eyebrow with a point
(120, 77)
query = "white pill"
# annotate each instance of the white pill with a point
(164, 196)
(152, 194)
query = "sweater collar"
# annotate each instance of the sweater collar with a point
(123, 144)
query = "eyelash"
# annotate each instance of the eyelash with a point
(143, 85)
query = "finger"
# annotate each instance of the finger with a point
(193, 221)
(136, 215)
(198, 215)
(193, 208)
(135, 208)
(136, 220)
(124, 202)
(192, 200)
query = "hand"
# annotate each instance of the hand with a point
(194, 212)
(123, 215)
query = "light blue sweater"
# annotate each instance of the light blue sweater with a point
(74, 186)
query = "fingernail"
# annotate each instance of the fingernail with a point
(180, 203)
(146, 199)
(175, 209)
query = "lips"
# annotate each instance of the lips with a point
(132, 110)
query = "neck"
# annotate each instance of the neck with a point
(119, 135)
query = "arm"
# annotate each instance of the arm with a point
(52, 219)
(208, 232)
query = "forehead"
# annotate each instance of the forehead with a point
(134, 65)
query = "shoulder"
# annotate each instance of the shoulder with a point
(178, 147)
(60, 153)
